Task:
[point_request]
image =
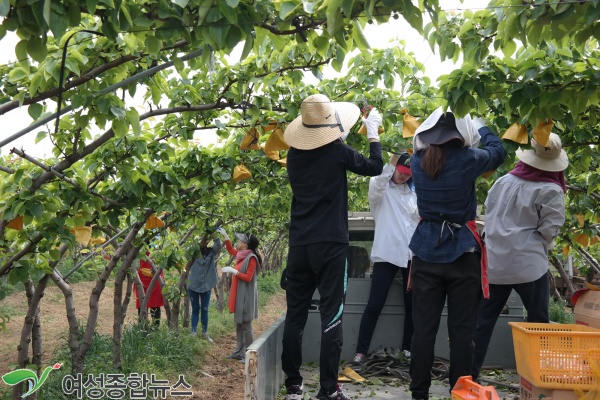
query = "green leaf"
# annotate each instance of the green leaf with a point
(54, 254)
(249, 43)
(120, 128)
(286, 8)
(118, 112)
(21, 50)
(178, 64)
(59, 23)
(233, 3)
(153, 44)
(17, 74)
(219, 34)
(40, 136)
(203, 10)
(35, 110)
(181, 3)
(47, 9)
(321, 44)
(36, 210)
(359, 37)
(334, 17)
(509, 48)
(413, 15)
(133, 117)
(91, 6)
(109, 30)
(4, 7)
(233, 37)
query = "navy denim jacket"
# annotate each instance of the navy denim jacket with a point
(447, 202)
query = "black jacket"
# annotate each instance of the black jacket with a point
(320, 189)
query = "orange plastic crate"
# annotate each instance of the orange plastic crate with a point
(555, 356)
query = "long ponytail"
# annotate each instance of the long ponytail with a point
(253, 245)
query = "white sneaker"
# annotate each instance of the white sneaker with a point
(207, 338)
(407, 354)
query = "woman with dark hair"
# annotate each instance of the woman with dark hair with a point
(201, 281)
(449, 260)
(243, 295)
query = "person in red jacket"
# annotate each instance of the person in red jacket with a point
(156, 299)
(243, 295)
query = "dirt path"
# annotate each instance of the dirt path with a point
(227, 380)
(228, 375)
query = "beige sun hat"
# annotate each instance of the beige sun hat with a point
(320, 122)
(551, 158)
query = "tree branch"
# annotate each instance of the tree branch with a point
(583, 190)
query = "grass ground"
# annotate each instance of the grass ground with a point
(211, 375)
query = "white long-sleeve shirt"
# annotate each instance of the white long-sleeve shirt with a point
(521, 220)
(394, 209)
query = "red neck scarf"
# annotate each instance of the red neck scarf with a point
(242, 254)
(529, 173)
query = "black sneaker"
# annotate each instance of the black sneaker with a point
(295, 392)
(339, 394)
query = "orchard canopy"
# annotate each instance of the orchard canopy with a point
(120, 87)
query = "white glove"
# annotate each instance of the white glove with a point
(229, 270)
(372, 123)
(479, 122)
(222, 232)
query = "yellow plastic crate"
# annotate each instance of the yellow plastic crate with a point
(555, 356)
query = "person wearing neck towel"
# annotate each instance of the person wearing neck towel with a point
(394, 209)
(317, 163)
(524, 211)
(243, 294)
(449, 258)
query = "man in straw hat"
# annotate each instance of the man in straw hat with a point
(449, 257)
(317, 163)
(524, 212)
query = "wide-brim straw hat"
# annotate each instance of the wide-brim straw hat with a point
(320, 122)
(551, 158)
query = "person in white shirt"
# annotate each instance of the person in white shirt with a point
(394, 208)
(524, 212)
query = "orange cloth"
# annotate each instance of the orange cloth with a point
(247, 277)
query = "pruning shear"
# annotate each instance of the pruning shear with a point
(366, 107)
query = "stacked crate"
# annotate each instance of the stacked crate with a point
(561, 361)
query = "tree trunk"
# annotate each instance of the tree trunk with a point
(186, 312)
(553, 291)
(127, 299)
(34, 295)
(86, 343)
(118, 313)
(139, 288)
(564, 277)
(71, 316)
(222, 286)
(182, 287)
(146, 299)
